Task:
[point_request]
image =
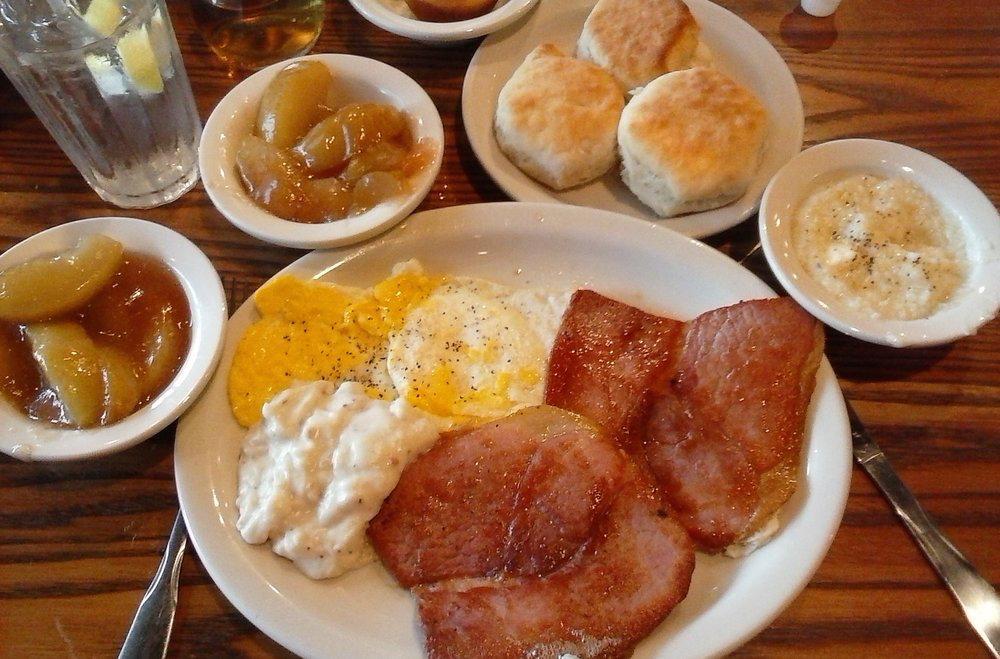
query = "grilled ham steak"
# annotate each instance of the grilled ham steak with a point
(611, 594)
(726, 394)
(533, 536)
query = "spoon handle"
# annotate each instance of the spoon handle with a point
(150, 631)
(974, 594)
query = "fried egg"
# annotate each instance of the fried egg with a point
(475, 350)
(463, 349)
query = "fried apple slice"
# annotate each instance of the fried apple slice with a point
(293, 103)
(164, 348)
(272, 176)
(72, 367)
(44, 288)
(121, 386)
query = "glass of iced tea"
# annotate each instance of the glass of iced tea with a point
(250, 34)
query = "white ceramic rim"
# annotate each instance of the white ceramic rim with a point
(362, 79)
(298, 613)
(30, 441)
(748, 56)
(975, 304)
(432, 32)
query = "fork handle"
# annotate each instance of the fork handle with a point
(973, 593)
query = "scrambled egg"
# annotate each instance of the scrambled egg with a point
(312, 330)
(463, 349)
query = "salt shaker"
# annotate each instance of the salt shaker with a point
(820, 8)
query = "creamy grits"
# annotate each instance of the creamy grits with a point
(316, 469)
(882, 246)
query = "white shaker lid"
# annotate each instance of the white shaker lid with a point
(820, 8)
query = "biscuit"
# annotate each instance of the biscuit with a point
(639, 40)
(691, 141)
(557, 118)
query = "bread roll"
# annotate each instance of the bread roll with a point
(691, 141)
(557, 118)
(444, 11)
(638, 40)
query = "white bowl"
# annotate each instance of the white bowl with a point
(975, 304)
(25, 439)
(360, 79)
(394, 16)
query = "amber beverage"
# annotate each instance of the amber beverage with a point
(250, 34)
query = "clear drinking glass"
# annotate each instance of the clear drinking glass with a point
(107, 80)
(250, 34)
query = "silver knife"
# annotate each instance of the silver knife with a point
(974, 594)
(150, 631)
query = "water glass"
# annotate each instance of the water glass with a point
(107, 80)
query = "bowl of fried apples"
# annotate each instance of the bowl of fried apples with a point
(321, 151)
(110, 327)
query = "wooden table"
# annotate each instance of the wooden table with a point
(80, 542)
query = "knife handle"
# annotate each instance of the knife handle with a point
(973, 593)
(149, 634)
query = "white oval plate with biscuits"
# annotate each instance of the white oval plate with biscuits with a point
(737, 49)
(364, 614)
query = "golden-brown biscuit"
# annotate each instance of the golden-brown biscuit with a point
(638, 40)
(557, 118)
(690, 141)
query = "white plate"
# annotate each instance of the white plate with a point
(972, 306)
(394, 16)
(739, 51)
(358, 79)
(363, 614)
(28, 440)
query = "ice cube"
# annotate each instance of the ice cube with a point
(110, 80)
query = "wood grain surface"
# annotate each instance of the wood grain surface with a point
(80, 542)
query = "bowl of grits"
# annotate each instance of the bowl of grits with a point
(883, 242)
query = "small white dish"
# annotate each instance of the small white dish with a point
(394, 16)
(737, 49)
(29, 440)
(975, 304)
(360, 79)
(365, 614)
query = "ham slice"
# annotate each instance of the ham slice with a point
(513, 497)
(533, 536)
(605, 360)
(601, 603)
(751, 367)
(704, 477)
(722, 421)
(724, 438)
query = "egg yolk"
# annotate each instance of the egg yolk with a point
(442, 392)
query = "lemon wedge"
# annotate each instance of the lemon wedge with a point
(139, 60)
(103, 16)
